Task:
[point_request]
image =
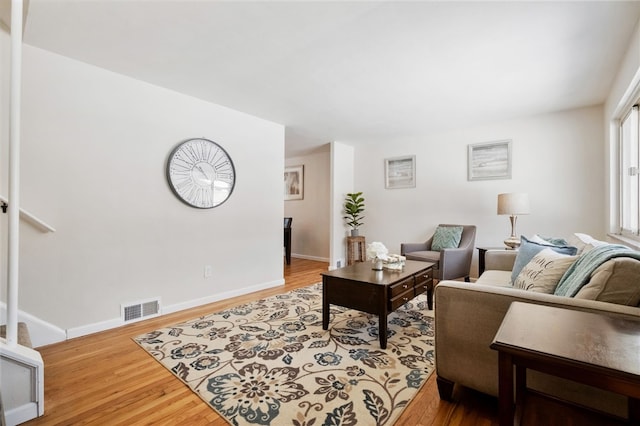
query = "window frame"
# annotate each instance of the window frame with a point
(623, 205)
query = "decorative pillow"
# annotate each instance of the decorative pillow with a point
(544, 271)
(446, 237)
(528, 249)
(549, 241)
(584, 242)
(615, 281)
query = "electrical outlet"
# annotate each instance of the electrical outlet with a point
(339, 263)
(208, 271)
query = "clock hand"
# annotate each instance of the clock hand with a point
(206, 176)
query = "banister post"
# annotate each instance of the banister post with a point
(14, 173)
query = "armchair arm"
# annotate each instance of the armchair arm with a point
(455, 262)
(500, 260)
(411, 247)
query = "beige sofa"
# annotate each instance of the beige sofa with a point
(468, 315)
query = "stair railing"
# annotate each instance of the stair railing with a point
(28, 217)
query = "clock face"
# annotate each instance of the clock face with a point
(201, 173)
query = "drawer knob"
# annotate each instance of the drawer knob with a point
(404, 286)
(406, 299)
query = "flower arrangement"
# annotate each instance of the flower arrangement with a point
(377, 250)
(379, 255)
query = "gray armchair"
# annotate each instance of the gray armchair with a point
(451, 263)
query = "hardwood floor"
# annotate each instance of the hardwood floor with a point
(105, 378)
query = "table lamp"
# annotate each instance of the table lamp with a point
(513, 204)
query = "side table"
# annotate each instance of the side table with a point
(584, 347)
(355, 250)
(287, 244)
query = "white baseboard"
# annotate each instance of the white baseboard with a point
(226, 295)
(41, 332)
(21, 414)
(304, 256)
(95, 327)
(118, 322)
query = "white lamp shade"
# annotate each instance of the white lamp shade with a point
(514, 203)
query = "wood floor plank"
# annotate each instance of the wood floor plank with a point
(105, 378)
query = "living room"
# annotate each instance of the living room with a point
(95, 143)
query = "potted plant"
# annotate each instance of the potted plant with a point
(353, 208)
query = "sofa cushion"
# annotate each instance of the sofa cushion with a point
(496, 278)
(615, 281)
(528, 249)
(544, 271)
(424, 256)
(446, 237)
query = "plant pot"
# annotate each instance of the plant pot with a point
(354, 233)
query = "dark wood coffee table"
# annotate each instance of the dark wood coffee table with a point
(594, 349)
(376, 292)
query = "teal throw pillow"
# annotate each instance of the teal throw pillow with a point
(528, 249)
(556, 241)
(446, 237)
(549, 240)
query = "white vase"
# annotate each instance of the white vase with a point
(377, 265)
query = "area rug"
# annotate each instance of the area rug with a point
(269, 362)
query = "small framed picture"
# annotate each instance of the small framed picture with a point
(294, 183)
(400, 172)
(489, 160)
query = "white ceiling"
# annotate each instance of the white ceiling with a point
(361, 72)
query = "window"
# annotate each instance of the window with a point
(629, 194)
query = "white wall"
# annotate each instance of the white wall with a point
(310, 233)
(629, 66)
(94, 149)
(557, 159)
(342, 183)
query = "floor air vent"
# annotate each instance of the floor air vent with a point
(140, 310)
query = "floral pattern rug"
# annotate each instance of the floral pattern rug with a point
(270, 362)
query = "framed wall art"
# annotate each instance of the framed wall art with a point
(294, 183)
(400, 172)
(489, 160)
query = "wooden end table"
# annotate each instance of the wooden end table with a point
(584, 347)
(355, 250)
(287, 244)
(376, 292)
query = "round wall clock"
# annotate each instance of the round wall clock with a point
(201, 173)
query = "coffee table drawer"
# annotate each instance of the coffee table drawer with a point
(424, 281)
(402, 287)
(401, 299)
